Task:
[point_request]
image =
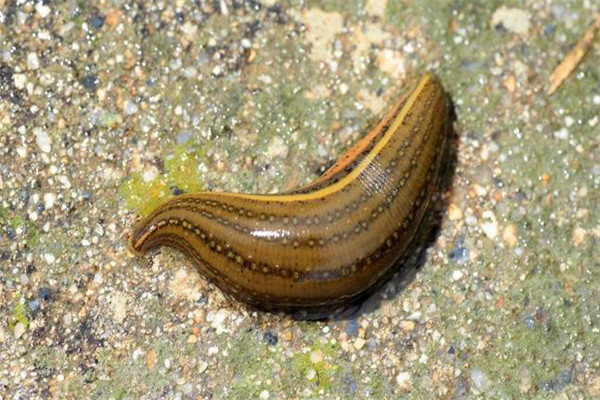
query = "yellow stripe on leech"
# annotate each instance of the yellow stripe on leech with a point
(357, 171)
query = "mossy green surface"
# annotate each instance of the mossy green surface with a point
(320, 367)
(20, 314)
(181, 173)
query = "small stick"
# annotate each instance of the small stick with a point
(572, 60)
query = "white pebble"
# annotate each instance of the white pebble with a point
(266, 79)
(264, 395)
(19, 330)
(218, 322)
(137, 353)
(403, 380)
(42, 10)
(569, 121)
(130, 108)
(344, 88)
(490, 229)
(65, 182)
(277, 148)
(596, 99)
(457, 275)
(49, 257)
(561, 134)
(513, 19)
(246, 43)
(42, 140)
(20, 80)
(471, 220)
(32, 61)
(190, 72)
(212, 350)
(49, 199)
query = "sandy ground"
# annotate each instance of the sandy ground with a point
(109, 107)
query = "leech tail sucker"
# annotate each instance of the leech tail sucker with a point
(327, 245)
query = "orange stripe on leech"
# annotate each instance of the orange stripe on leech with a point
(355, 151)
(350, 155)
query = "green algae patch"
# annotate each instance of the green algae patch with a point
(143, 196)
(182, 175)
(319, 366)
(252, 366)
(19, 314)
(26, 230)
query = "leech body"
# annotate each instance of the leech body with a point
(330, 243)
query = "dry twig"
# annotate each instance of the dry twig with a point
(572, 60)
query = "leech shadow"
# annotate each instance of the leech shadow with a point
(403, 275)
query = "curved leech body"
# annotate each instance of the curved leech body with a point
(330, 243)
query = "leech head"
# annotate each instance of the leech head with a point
(138, 241)
(137, 237)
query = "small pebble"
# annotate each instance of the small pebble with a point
(457, 275)
(562, 134)
(277, 148)
(454, 212)
(130, 108)
(97, 21)
(509, 235)
(471, 220)
(359, 343)
(512, 19)
(43, 10)
(19, 330)
(578, 236)
(407, 326)
(49, 199)
(90, 82)
(33, 62)
(569, 121)
(43, 293)
(216, 71)
(34, 305)
(403, 379)
(20, 80)
(316, 356)
(42, 140)
(271, 338)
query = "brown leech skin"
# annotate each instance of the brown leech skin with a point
(330, 244)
